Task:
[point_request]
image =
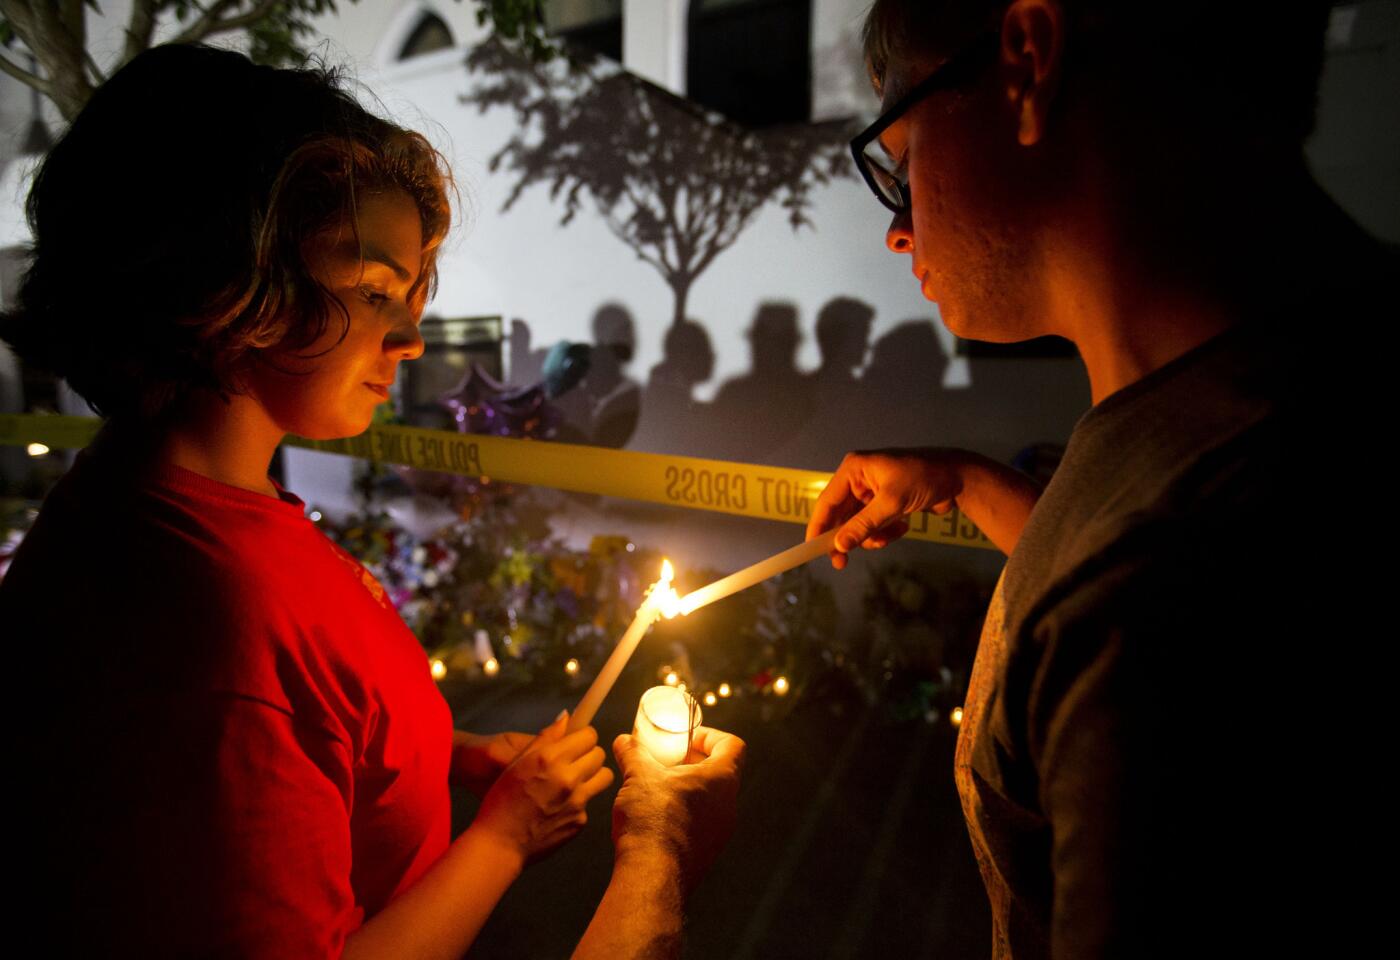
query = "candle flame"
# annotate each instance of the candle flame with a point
(662, 595)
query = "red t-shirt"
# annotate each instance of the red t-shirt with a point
(230, 744)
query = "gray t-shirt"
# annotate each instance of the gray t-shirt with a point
(1121, 761)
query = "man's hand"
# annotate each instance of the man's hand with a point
(539, 801)
(686, 812)
(478, 759)
(872, 494)
(669, 824)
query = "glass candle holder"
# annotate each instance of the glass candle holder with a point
(666, 722)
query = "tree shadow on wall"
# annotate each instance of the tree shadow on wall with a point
(676, 183)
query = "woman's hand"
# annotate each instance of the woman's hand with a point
(539, 801)
(478, 759)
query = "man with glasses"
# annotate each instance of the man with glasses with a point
(1131, 177)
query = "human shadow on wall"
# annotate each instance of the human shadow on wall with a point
(673, 420)
(837, 402)
(776, 414)
(902, 388)
(757, 412)
(526, 361)
(604, 408)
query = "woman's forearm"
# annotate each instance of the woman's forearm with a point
(441, 914)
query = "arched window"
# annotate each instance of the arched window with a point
(431, 34)
(594, 25)
(751, 60)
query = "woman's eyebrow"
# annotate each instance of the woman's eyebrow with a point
(375, 255)
(348, 253)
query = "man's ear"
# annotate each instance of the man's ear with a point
(1032, 57)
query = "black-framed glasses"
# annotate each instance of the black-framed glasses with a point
(887, 178)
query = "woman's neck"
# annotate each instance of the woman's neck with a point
(230, 440)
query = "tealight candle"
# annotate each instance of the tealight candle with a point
(666, 722)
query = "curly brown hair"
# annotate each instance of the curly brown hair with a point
(197, 181)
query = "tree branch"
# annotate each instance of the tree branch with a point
(140, 28)
(98, 77)
(59, 51)
(246, 20)
(24, 76)
(661, 268)
(212, 23)
(22, 19)
(206, 23)
(73, 19)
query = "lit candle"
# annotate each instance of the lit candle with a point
(666, 722)
(660, 601)
(774, 565)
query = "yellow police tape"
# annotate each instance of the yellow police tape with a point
(745, 489)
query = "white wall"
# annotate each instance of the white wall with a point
(522, 264)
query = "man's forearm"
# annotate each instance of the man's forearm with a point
(996, 498)
(641, 914)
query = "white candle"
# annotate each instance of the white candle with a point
(666, 722)
(774, 565)
(658, 600)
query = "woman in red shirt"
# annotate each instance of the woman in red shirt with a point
(251, 757)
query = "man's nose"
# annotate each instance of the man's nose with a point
(900, 235)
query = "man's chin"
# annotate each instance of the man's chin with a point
(980, 324)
